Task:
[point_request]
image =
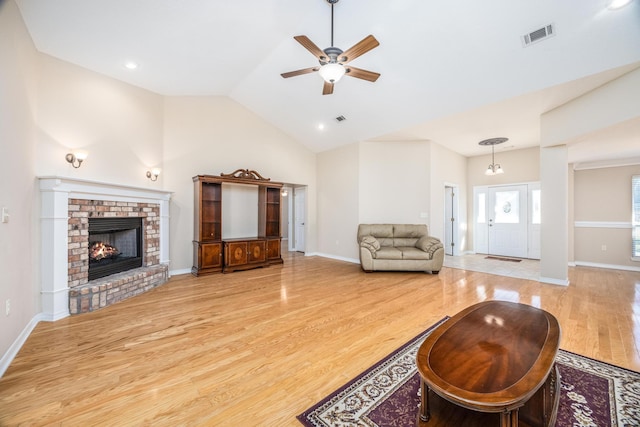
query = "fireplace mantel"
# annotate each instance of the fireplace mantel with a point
(55, 193)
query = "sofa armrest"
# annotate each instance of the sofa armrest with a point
(370, 243)
(429, 244)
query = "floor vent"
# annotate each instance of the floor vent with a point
(341, 118)
(538, 35)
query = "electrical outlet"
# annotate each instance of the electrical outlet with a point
(7, 306)
(604, 247)
(5, 215)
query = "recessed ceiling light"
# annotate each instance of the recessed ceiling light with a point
(617, 4)
(321, 126)
(131, 65)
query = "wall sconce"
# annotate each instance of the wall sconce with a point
(76, 158)
(153, 174)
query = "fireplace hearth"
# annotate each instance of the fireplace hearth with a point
(115, 245)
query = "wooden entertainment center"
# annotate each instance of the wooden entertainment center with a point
(211, 252)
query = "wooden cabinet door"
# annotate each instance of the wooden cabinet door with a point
(257, 251)
(273, 249)
(236, 253)
(211, 255)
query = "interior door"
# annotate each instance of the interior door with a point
(508, 221)
(299, 195)
(449, 220)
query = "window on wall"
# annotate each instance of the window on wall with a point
(635, 225)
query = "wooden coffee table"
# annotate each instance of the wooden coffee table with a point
(490, 364)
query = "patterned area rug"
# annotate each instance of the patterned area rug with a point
(593, 394)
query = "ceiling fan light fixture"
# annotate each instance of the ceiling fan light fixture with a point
(332, 72)
(618, 4)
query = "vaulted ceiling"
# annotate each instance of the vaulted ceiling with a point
(452, 72)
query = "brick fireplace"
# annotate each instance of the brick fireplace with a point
(68, 205)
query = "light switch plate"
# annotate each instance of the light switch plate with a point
(5, 214)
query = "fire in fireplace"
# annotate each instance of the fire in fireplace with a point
(102, 250)
(115, 245)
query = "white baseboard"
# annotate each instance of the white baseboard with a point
(552, 281)
(178, 272)
(336, 257)
(609, 266)
(13, 350)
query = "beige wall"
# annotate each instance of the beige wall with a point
(602, 205)
(604, 107)
(448, 169)
(19, 238)
(520, 166)
(119, 125)
(385, 182)
(338, 196)
(586, 114)
(213, 135)
(394, 182)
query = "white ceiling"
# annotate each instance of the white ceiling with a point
(453, 72)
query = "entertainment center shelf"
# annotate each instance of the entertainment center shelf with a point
(213, 253)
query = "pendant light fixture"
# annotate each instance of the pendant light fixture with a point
(494, 168)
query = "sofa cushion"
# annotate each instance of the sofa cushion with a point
(414, 231)
(382, 232)
(411, 252)
(388, 252)
(370, 243)
(376, 230)
(405, 241)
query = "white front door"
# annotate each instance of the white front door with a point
(507, 220)
(299, 197)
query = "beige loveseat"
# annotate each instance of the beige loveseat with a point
(401, 247)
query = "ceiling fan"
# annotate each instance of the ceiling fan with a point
(333, 60)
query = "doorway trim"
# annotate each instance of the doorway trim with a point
(451, 219)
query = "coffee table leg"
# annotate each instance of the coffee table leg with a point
(514, 417)
(425, 414)
(509, 419)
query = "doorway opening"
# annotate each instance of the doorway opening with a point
(294, 213)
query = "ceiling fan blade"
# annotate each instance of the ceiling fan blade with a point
(327, 89)
(299, 72)
(362, 74)
(360, 48)
(311, 47)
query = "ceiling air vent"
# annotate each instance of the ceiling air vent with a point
(538, 35)
(341, 119)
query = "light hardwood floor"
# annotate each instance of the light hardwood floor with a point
(256, 348)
